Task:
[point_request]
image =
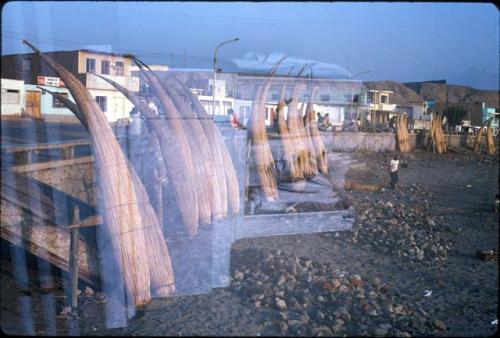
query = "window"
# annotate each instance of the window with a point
(383, 99)
(26, 65)
(104, 67)
(324, 97)
(101, 101)
(119, 68)
(244, 112)
(90, 65)
(56, 103)
(11, 96)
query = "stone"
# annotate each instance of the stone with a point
(280, 303)
(88, 292)
(440, 325)
(281, 280)
(380, 331)
(322, 331)
(238, 275)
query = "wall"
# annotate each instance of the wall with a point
(82, 62)
(12, 65)
(74, 177)
(46, 100)
(347, 141)
(9, 107)
(350, 142)
(118, 106)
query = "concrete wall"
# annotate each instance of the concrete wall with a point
(349, 142)
(13, 100)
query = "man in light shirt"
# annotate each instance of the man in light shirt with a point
(394, 166)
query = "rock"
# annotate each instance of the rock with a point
(380, 332)
(88, 292)
(238, 275)
(440, 325)
(281, 280)
(336, 283)
(66, 311)
(280, 303)
(101, 298)
(322, 331)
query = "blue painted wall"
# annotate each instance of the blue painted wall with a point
(46, 100)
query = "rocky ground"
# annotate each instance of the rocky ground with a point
(407, 268)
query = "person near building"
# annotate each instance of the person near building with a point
(233, 119)
(394, 168)
(320, 119)
(326, 123)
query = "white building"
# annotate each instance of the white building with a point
(13, 98)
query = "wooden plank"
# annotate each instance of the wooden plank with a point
(44, 146)
(52, 244)
(51, 164)
(87, 222)
(73, 259)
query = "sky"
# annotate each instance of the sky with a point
(397, 41)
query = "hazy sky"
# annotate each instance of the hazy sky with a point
(395, 41)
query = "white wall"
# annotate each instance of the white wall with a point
(118, 106)
(335, 113)
(13, 103)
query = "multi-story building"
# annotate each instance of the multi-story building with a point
(332, 96)
(379, 107)
(83, 64)
(418, 117)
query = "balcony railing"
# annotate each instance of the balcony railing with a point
(95, 82)
(383, 106)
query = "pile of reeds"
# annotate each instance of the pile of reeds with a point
(402, 137)
(288, 171)
(135, 236)
(204, 182)
(312, 131)
(260, 150)
(477, 141)
(311, 152)
(437, 135)
(490, 144)
(298, 136)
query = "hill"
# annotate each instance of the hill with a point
(411, 92)
(456, 94)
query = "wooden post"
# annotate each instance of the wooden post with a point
(68, 152)
(73, 258)
(159, 180)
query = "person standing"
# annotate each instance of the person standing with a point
(320, 119)
(394, 167)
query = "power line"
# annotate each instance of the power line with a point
(78, 45)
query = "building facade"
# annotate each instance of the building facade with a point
(13, 98)
(31, 69)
